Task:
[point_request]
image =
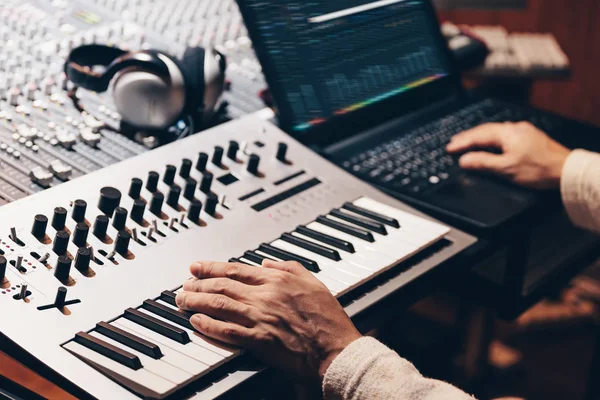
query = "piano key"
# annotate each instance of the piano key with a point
(347, 229)
(141, 377)
(168, 297)
(160, 368)
(389, 221)
(238, 261)
(254, 257)
(167, 330)
(359, 221)
(311, 246)
(178, 317)
(129, 340)
(245, 260)
(287, 256)
(330, 240)
(114, 353)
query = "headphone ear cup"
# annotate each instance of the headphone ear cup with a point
(192, 68)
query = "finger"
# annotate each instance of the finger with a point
(488, 135)
(225, 332)
(292, 267)
(238, 272)
(216, 306)
(227, 287)
(483, 161)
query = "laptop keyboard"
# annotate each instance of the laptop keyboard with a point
(417, 162)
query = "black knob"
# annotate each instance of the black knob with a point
(169, 177)
(101, 227)
(137, 211)
(282, 149)
(156, 204)
(59, 219)
(81, 234)
(211, 204)
(63, 268)
(61, 297)
(79, 208)
(202, 161)
(173, 196)
(40, 224)
(253, 164)
(110, 199)
(120, 219)
(83, 259)
(152, 182)
(232, 150)
(217, 157)
(186, 168)
(61, 243)
(135, 190)
(190, 189)
(122, 243)
(194, 211)
(207, 180)
(3, 264)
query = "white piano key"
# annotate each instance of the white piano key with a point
(243, 259)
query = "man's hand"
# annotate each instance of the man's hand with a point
(281, 312)
(529, 157)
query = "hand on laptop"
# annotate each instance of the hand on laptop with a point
(528, 156)
(281, 312)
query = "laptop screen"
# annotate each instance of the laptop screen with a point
(330, 59)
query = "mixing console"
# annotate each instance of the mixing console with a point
(89, 269)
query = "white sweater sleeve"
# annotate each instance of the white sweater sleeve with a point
(580, 189)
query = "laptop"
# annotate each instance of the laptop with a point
(372, 86)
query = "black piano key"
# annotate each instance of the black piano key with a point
(238, 261)
(178, 317)
(350, 230)
(125, 338)
(287, 256)
(313, 247)
(358, 221)
(330, 240)
(254, 257)
(108, 350)
(169, 297)
(373, 215)
(158, 326)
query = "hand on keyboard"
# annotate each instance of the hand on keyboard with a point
(281, 312)
(529, 157)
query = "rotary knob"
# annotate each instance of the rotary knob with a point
(190, 189)
(253, 164)
(156, 204)
(40, 224)
(212, 200)
(217, 157)
(79, 208)
(122, 243)
(81, 234)
(169, 177)
(120, 219)
(138, 210)
(135, 190)
(83, 259)
(61, 243)
(232, 150)
(152, 182)
(173, 197)
(101, 227)
(282, 149)
(202, 162)
(195, 210)
(186, 168)
(110, 199)
(63, 268)
(59, 219)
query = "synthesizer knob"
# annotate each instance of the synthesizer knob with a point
(135, 190)
(101, 227)
(169, 177)
(282, 149)
(195, 210)
(137, 211)
(120, 219)
(40, 223)
(3, 264)
(253, 164)
(122, 243)
(202, 161)
(217, 157)
(206, 184)
(173, 196)
(190, 189)
(81, 234)
(232, 150)
(156, 204)
(186, 168)
(61, 243)
(79, 208)
(83, 259)
(59, 219)
(211, 204)
(63, 268)
(152, 182)
(110, 198)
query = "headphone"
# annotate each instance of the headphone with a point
(152, 90)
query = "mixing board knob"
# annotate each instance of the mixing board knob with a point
(233, 149)
(202, 161)
(282, 149)
(59, 219)
(122, 243)
(173, 197)
(63, 268)
(40, 223)
(41, 177)
(83, 259)
(61, 243)
(253, 164)
(137, 211)
(169, 177)
(207, 180)
(81, 234)
(195, 210)
(13, 96)
(190, 189)
(152, 182)
(48, 86)
(186, 168)
(60, 170)
(101, 227)
(120, 219)
(135, 190)
(217, 157)
(3, 264)
(30, 91)
(61, 297)
(110, 199)
(156, 204)
(211, 204)
(79, 208)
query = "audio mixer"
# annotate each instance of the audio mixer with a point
(90, 268)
